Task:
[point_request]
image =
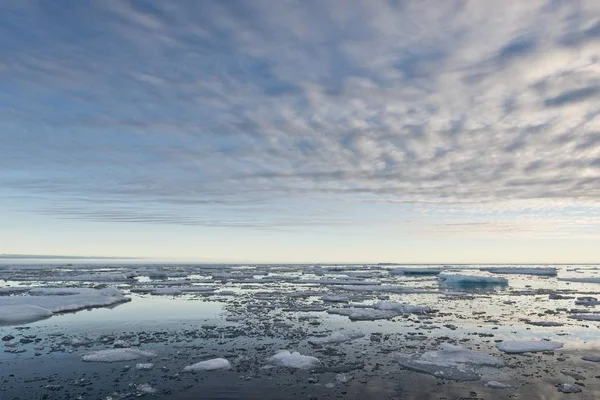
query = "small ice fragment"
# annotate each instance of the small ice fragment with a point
(497, 385)
(343, 378)
(568, 388)
(528, 346)
(120, 344)
(209, 365)
(145, 388)
(293, 360)
(144, 366)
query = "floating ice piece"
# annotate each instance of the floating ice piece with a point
(121, 344)
(450, 362)
(22, 314)
(343, 378)
(580, 280)
(586, 317)
(591, 358)
(336, 298)
(167, 291)
(497, 385)
(56, 300)
(528, 346)
(144, 366)
(145, 388)
(294, 360)
(457, 279)
(401, 308)
(336, 337)
(363, 314)
(209, 365)
(416, 271)
(116, 355)
(550, 271)
(568, 388)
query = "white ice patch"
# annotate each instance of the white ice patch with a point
(497, 385)
(458, 279)
(401, 308)
(209, 365)
(363, 314)
(336, 337)
(144, 366)
(294, 360)
(145, 388)
(528, 346)
(336, 298)
(550, 271)
(450, 362)
(22, 314)
(116, 355)
(56, 300)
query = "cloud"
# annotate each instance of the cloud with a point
(173, 112)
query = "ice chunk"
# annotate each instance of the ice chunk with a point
(363, 314)
(343, 378)
(550, 271)
(144, 366)
(416, 271)
(145, 388)
(336, 337)
(568, 388)
(294, 360)
(116, 355)
(401, 308)
(528, 346)
(22, 314)
(497, 385)
(209, 365)
(450, 362)
(458, 279)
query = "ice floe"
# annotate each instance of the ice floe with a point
(209, 365)
(336, 337)
(116, 355)
(527, 346)
(401, 308)
(21, 314)
(57, 300)
(458, 279)
(450, 362)
(363, 314)
(521, 271)
(294, 360)
(497, 385)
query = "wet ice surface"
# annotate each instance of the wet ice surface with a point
(299, 332)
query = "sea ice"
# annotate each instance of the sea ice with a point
(401, 308)
(550, 271)
(145, 388)
(209, 365)
(450, 362)
(22, 314)
(336, 298)
(167, 291)
(363, 314)
(497, 385)
(457, 279)
(116, 355)
(293, 360)
(416, 271)
(144, 366)
(528, 346)
(581, 280)
(336, 337)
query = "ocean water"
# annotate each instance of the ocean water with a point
(246, 314)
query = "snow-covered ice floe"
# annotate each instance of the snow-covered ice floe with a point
(450, 362)
(527, 346)
(336, 337)
(116, 355)
(294, 360)
(458, 279)
(209, 365)
(550, 271)
(31, 306)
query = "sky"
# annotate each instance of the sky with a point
(411, 131)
